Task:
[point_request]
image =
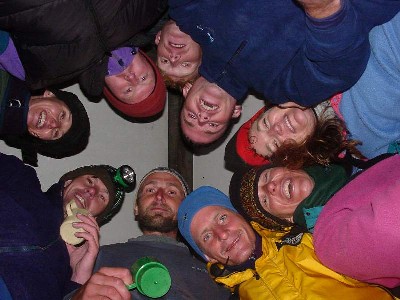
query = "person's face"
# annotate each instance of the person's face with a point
(178, 55)
(88, 192)
(135, 83)
(48, 117)
(207, 111)
(281, 190)
(160, 196)
(221, 234)
(278, 124)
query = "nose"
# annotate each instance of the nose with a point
(203, 117)
(278, 128)
(131, 77)
(272, 187)
(91, 191)
(160, 195)
(174, 57)
(221, 232)
(53, 123)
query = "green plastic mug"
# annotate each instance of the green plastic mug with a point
(151, 277)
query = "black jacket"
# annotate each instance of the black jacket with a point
(59, 40)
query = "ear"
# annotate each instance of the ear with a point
(186, 89)
(135, 210)
(67, 183)
(47, 94)
(237, 111)
(158, 38)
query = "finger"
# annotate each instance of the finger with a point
(88, 219)
(123, 273)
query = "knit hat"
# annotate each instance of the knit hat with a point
(72, 142)
(118, 181)
(202, 197)
(327, 181)
(171, 171)
(243, 192)
(148, 107)
(238, 151)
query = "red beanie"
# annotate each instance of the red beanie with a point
(148, 107)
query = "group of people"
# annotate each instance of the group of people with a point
(312, 206)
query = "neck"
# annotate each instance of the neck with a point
(171, 234)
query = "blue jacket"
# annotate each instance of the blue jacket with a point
(34, 261)
(371, 108)
(274, 49)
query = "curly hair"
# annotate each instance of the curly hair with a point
(323, 146)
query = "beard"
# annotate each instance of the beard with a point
(157, 222)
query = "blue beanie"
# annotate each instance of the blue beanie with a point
(202, 197)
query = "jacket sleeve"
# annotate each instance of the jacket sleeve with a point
(332, 59)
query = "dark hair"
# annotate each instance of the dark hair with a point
(176, 85)
(322, 147)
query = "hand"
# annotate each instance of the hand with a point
(320, 9)
(107, 283)
(82, 258)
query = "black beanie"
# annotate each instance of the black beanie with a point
(72, 142)
(118, 181)
(243, 192)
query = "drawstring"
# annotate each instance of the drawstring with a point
(16, 249)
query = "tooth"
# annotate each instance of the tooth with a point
(288, 124)
(208, 106)
(286, 189)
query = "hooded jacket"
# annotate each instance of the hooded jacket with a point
(61, 40)
(293, 271)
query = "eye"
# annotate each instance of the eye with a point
(264, 200)
(164, 60)
(173, 193)
(102, 198)
(150, 190)
(222, 219)
(185, 64)
(143, 78)
(62, 115)
(90, 181)
(266, 123)
(192, 115)
(55, 133)
(206, 237)
(213, 125)
(128, 90)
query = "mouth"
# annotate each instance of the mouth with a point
(81, 200)
(287, 188)
(208, 106)
(289, 124)
(41, 120)
(180, 46)
(233, 244)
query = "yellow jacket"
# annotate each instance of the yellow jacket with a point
(294, 272)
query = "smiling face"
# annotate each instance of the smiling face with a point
(178, 55)
(48, 117)
(207, 111)
(135, 83)
(279, 124)
(221, 233)
(281, 190)
(160, 195)
(88, 192)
